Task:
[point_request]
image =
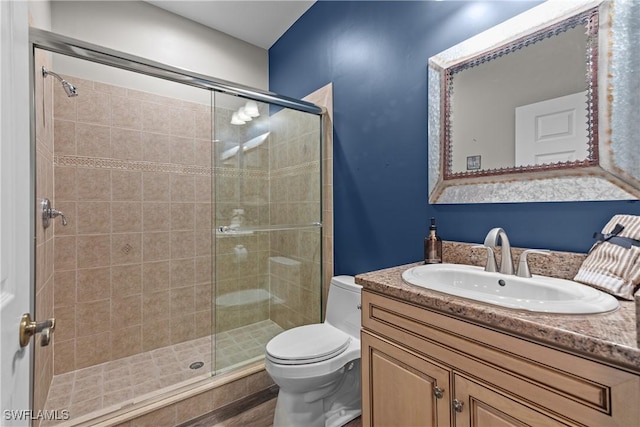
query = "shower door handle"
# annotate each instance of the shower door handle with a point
(28, 328)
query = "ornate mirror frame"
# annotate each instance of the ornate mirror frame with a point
(612, 168)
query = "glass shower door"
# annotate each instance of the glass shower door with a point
(128, 277)
(267, 223)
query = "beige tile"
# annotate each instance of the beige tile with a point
(156, 246)
(203, 188)
(65, 253)
(156, 147)
(119, 381)
(64, 288)
(110, 89)
(156, 118)
(126, 185)
(182, 328)
(203, 296)
(156, 276)
(126, 311)
(183, 122)
(203, 153)
(182, 151)
(182, 216)
(126, 342)
(204, 216)
(203, 125)
(126, 279)
(156, 306)
(165, 417)
(155, 334)
(93, 184)
(64, 107)
(64, 356)
(126, 112)
(65, 184)
(65, 137)
(94, 250)
(204, 242)
(156, 216)
(93, 140)
(126, 217)
(93, 349)
(204, 269)
(126, 248)
(126, 144)
(65, 323)
(93, 318)
(182, 272)
(182, 188)
(94, 107)
(93, 217)
(197, 405)
(86, 406)
(182, 244)
(182, 301)
(93, 284)
(155, 187)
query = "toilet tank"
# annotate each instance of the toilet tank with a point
(343, 305)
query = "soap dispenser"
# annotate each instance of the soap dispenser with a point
(432, 245)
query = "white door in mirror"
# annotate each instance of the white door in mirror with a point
(552, 131)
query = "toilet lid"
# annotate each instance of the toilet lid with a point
(307, 344)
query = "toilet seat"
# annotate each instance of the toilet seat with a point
(307, 344)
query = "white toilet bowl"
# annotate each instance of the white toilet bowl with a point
(318, 366)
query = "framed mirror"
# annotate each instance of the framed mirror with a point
(536, 108)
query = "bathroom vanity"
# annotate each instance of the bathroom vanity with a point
(431, 359)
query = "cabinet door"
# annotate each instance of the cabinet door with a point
(401, 388)
(484, 407)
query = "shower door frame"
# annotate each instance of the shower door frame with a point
(56, 43)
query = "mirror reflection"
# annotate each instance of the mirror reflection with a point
(526, 105)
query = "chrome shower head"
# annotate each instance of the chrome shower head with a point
(69, 89)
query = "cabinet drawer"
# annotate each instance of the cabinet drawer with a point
(560, 382)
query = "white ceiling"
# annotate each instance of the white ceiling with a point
(259, 22)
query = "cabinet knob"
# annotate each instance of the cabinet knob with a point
(457, 405)
(438, 392)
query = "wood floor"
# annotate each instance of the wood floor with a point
(256, 411)
(261, 416)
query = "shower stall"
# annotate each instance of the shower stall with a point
(183, 228)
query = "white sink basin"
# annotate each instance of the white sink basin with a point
(538, 293)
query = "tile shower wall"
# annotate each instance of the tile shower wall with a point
(295, 256)
(133, 267)
(242, 182)
(43, 368)
(276, 183)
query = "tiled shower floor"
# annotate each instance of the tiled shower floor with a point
(117, 383)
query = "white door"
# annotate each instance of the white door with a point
(552, 131)
(15, 206)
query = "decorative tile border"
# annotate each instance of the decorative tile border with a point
(307, 167)
(143, 166)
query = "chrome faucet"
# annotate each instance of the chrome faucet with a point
(491, 242)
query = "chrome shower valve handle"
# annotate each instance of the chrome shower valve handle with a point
(48, 213)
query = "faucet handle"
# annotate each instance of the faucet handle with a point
(492, 265)
(523, 265)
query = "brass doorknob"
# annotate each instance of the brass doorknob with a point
(28, 328)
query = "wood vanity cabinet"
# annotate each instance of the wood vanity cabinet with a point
(424, 368)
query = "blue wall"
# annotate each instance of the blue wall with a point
(376, 54)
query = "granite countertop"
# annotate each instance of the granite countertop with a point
(607, 337)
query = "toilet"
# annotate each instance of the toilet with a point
(318, 366)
